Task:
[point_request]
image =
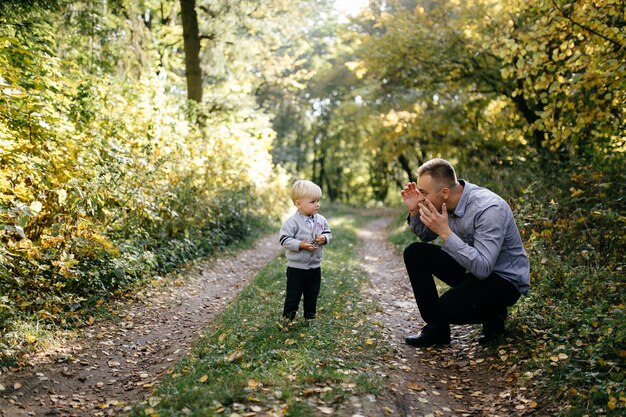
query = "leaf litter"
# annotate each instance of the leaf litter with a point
(463, 379)
(113, 365)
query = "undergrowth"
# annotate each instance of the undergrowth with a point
(571, 329)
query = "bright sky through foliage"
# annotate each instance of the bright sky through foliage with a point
(350, 7)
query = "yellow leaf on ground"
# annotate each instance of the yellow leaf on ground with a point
(203, 378)
(234, 356)
(415, 386)
(612, 404)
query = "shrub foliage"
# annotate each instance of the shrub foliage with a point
(105, 178)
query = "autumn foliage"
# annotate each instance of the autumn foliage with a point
(106, 176)
(109, 175)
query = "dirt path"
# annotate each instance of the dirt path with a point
(461, 380)
(116, 364)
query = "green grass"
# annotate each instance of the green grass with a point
(250, 360)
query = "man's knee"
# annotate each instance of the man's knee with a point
(415, 251)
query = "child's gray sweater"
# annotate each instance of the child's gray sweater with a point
(295, 230)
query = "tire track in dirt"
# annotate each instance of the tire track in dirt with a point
(113, 365)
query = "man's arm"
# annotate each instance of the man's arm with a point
(490, 227)
(420, 229)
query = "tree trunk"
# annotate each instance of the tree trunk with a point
(191, 38)
(406, 166)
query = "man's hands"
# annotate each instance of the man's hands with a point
(429, 215)
(411, 197)
(435, 221)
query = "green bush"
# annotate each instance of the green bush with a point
(105, 179)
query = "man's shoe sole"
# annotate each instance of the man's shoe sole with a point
(424, 344)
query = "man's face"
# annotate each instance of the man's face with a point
(429, 190)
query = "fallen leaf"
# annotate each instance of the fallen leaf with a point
(415, 386)
(326, 410)
(203, 378)
(238, 354)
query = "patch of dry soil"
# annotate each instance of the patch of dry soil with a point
(115, 364)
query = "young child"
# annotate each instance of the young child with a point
(303, 235)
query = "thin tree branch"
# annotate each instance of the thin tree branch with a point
(606, 38)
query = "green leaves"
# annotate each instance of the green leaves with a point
(105, 178)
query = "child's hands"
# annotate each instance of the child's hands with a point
(304, 245)
(320, 240)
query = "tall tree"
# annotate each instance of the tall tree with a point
(191, 37)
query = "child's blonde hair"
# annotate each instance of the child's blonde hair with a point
(303, 189)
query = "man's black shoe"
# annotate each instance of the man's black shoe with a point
(429, 336)
(490, 338)
(493, 330)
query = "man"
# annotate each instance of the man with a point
(482, 257)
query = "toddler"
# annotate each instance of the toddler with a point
(303, 235)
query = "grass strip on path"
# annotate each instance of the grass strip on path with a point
(251, 362)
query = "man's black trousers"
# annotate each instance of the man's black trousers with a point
(469, 300)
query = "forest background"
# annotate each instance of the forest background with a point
(136, 135)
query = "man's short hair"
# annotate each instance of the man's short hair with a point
(305, 189)
(440, 170)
